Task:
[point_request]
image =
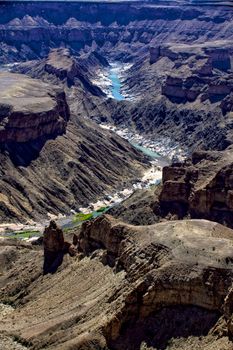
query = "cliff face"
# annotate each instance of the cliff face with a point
(201, 189)
(31, 29)
(30, 109)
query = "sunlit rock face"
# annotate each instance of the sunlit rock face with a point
(30, 109)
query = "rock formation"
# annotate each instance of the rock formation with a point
(201, 188)
(148, 284)
(64, 66)
(55, 247)
(30, 109)
(142, 25)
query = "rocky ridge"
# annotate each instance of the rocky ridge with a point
(130, 279)
(34, 34)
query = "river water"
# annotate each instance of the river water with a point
(115, 83)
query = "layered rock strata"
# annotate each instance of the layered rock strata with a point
(170, 278)
(52, 161)
(201, 188)
(30, 109)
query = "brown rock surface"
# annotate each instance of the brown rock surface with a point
(50, 163)
(55, 247)
(171, 278)
(30, 109)
(202, 188)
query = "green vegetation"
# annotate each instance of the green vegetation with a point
(80, 217)
(102, 209)
(25, 234)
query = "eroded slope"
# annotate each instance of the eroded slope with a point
(167, 277)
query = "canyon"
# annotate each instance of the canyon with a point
(122, 109)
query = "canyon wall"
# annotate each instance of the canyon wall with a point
(29, 29)
(201, 188)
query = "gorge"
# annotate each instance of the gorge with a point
(116, 121)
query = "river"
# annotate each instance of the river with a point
(116, 83)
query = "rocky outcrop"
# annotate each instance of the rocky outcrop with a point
(61, 64)
(201, 188)
(159, 242)
(55, 247)
(179, 90)
(188, 89)
(228, 312)
(220, 58)
(198, 71)
(216, 56)
(171, 278)
(227, 104)
(65, 68)
(30, 109)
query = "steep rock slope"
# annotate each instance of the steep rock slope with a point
(164, 278)
(50, 164)
(187, 94)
